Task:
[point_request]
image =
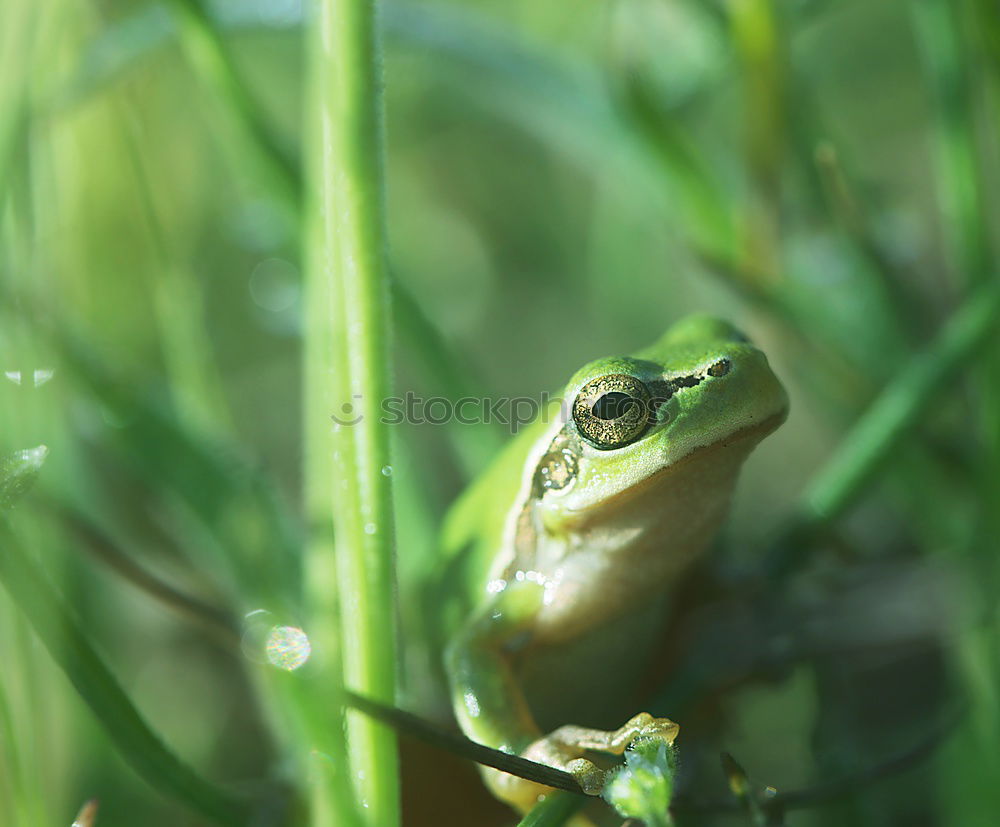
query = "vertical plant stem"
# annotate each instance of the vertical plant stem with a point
(351, 274)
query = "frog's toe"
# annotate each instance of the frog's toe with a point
(588, 775)
(662, 728)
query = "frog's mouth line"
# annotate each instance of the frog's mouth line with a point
(752, 433)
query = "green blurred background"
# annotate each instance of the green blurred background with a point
(563, 180)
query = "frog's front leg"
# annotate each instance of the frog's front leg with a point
(492, 709)
(488, 701)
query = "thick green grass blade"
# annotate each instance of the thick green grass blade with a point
(349, 271)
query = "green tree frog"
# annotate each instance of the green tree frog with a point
(588, 514)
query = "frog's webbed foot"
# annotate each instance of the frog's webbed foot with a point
(565, 748)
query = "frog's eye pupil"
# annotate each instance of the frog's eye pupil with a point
(614, 405)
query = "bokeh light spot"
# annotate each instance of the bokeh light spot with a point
(288, 647)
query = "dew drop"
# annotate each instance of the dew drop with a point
(39, 376)
(472, 704)
(43, 375)
(370, 528)
(386, 470)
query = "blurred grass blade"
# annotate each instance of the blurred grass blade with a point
(865, 449)
(565, 103)
(208, 52)
(959, 175)
(68, 645)
(957, 67)
(193, 376)
(233, 500)
(569, 105)
(710, 217)
(739, 786)
(105, 548)
(20, 23)
(736, 777)
(18, 472)
(16, 799)
(755, 36)
(13, 142)
(113, 53)
(554, 811)
(897, 305)
(899, 406)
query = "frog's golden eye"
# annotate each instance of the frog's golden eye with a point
(612, 411)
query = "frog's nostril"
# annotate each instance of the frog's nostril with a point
(720, 368)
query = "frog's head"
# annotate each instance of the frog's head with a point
(629, 420)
